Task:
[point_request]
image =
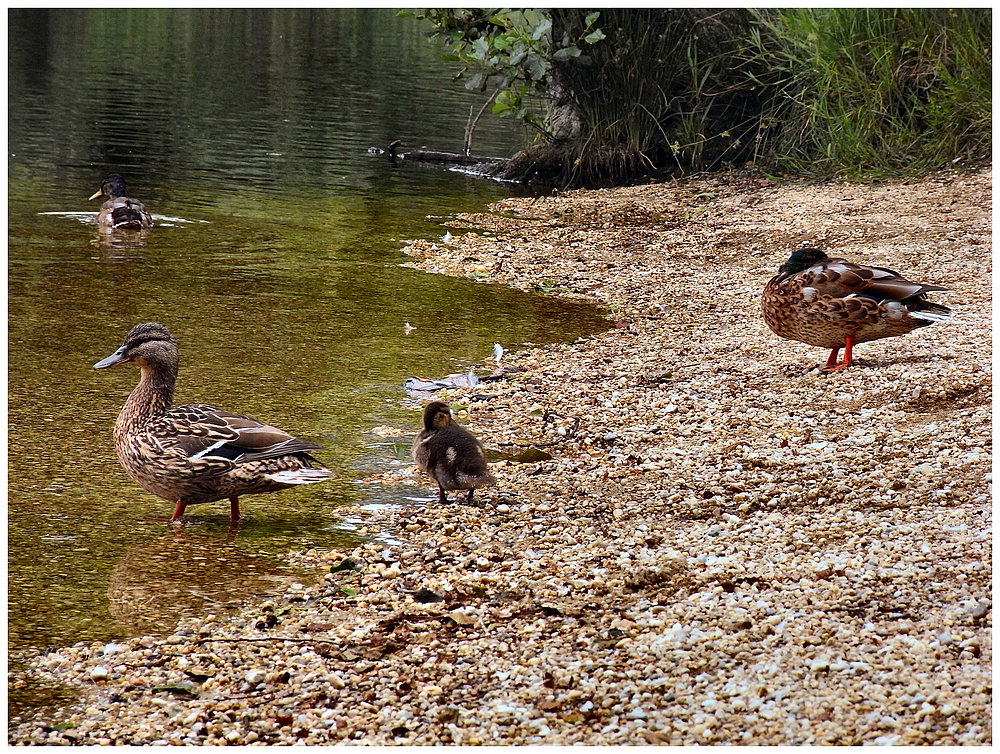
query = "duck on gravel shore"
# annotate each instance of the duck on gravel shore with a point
(196, 453)
(450, 454)
(832, 303)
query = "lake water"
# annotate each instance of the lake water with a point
(275, 260)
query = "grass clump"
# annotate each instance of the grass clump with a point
(855, 91)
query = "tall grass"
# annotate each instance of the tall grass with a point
(865, 91)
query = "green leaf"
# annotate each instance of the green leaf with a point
(345, 565)
(481, 47)
(476, 81)
(501, 42)
(536, 67)
(180, 689)
(528, 455)
(348, 591)
(595, 36)
(566, 53)
(590, 18)
(542, 29)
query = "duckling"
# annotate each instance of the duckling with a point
(832, 303)
(450, 454)
(119, 211)
(197, 453)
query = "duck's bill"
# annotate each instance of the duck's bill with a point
(116, 358)
(98, 193)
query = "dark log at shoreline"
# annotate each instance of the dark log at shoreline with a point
(443, 158)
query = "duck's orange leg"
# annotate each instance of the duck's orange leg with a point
(832, 365)
(234, 510)
(179, 510)
(832, 361)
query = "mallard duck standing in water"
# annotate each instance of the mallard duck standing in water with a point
(832, 303)
(450, 454)
(119, 211)
(196, 453)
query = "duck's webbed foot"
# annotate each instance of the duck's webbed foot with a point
(831, 363)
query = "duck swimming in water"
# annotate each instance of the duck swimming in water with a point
(119, 211)
(832, 303)
(197, 453)
(450, 454)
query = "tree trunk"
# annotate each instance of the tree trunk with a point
(563, 122)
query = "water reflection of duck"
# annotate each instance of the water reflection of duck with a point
(832, 303)
(196, 453)
(450, 454)
(159, 581)
(119, 211)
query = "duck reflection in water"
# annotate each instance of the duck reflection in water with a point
(161, 580)
(120, 248)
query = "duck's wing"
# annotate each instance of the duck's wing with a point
(840, 279)
(202, 431)
(125, 212)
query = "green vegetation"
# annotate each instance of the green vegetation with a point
(616, 95)
(884, 90)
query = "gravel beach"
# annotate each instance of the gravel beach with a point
(717, 544)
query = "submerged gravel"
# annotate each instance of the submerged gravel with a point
(722, 547)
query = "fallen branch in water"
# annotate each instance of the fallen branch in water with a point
(444, 158)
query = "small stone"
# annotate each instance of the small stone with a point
(426, 596)
(255, 676)
(979, 610)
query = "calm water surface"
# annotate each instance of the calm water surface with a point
(275, 261)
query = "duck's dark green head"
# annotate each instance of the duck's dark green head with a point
(149, 343)
(112, 187)
(437, 414)
(801, 260)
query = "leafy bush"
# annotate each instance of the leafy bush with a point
(615, 95)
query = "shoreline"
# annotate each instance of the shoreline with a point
(722, 548)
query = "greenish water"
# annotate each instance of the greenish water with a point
(275, 261)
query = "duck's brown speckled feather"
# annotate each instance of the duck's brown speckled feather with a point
(831, 299)
(124, 213)
(197, 453)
